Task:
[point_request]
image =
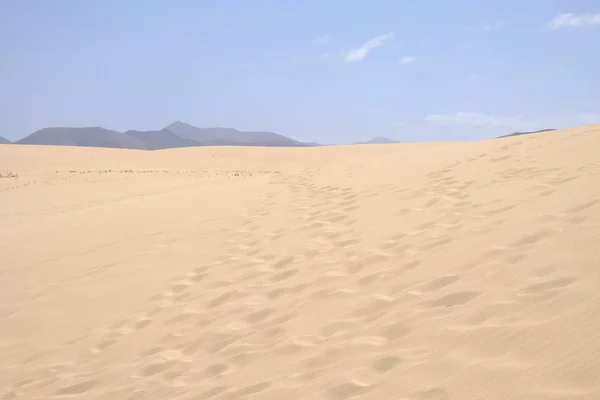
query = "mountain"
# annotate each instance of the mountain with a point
(232, 137)
(163, 139)
(378, 140)
(178, 134)
(526, 133)
(4, 140)
(89, 137)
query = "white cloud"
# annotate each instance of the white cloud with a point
(398, 124)
(569, 20)
(362, 52)
(407, 60)
(322, 39)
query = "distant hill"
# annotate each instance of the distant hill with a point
(88, 137)
(4, 140)
(163, 139)
(232, 137)
(178, 134)
(378, 140)
(526, 133)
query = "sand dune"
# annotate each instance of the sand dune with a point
(408, 271)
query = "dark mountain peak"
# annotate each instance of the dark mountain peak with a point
(178, 125)
(4, 140)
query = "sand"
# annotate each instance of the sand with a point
(407, 271)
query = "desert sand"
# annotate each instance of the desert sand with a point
(408, 271)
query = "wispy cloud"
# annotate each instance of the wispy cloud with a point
(322, 39)
(476, 77)
(325, 55)
(407, 60)
(398, 124)
(362, 52)
(569, 20)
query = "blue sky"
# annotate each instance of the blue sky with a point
(326, 71)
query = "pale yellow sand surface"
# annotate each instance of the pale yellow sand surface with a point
(408, 271)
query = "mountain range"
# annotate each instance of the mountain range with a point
(177, 134)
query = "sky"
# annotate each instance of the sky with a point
(329, 71)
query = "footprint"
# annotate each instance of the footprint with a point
(549, 285)
(347, 390)
(337, 219)
(152, 351)
(275, 293)
(582, 207)
(179, 287)
(437, 243)
(432, 202)
(396, 331)
(77, 388)
(349, 242)
(498, 210)
(545, 271)
(284, 275)
(253, 389)
(577, 220)
(259, 316)
(515, 258)
(197, 277)
(547, 193)
(433, 394)
(386, 364)
(220, 345)
(182, 317)
(156, 368)
(105, 344)
(530, 239)
(283, 263)
(364, 281)
(141, 324)
(216, 369)
(337, 328)
(413, 264)
(454, 299)
(439, 283)
(219, 300)
(210, 393)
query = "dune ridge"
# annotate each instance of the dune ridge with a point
(408, 271)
